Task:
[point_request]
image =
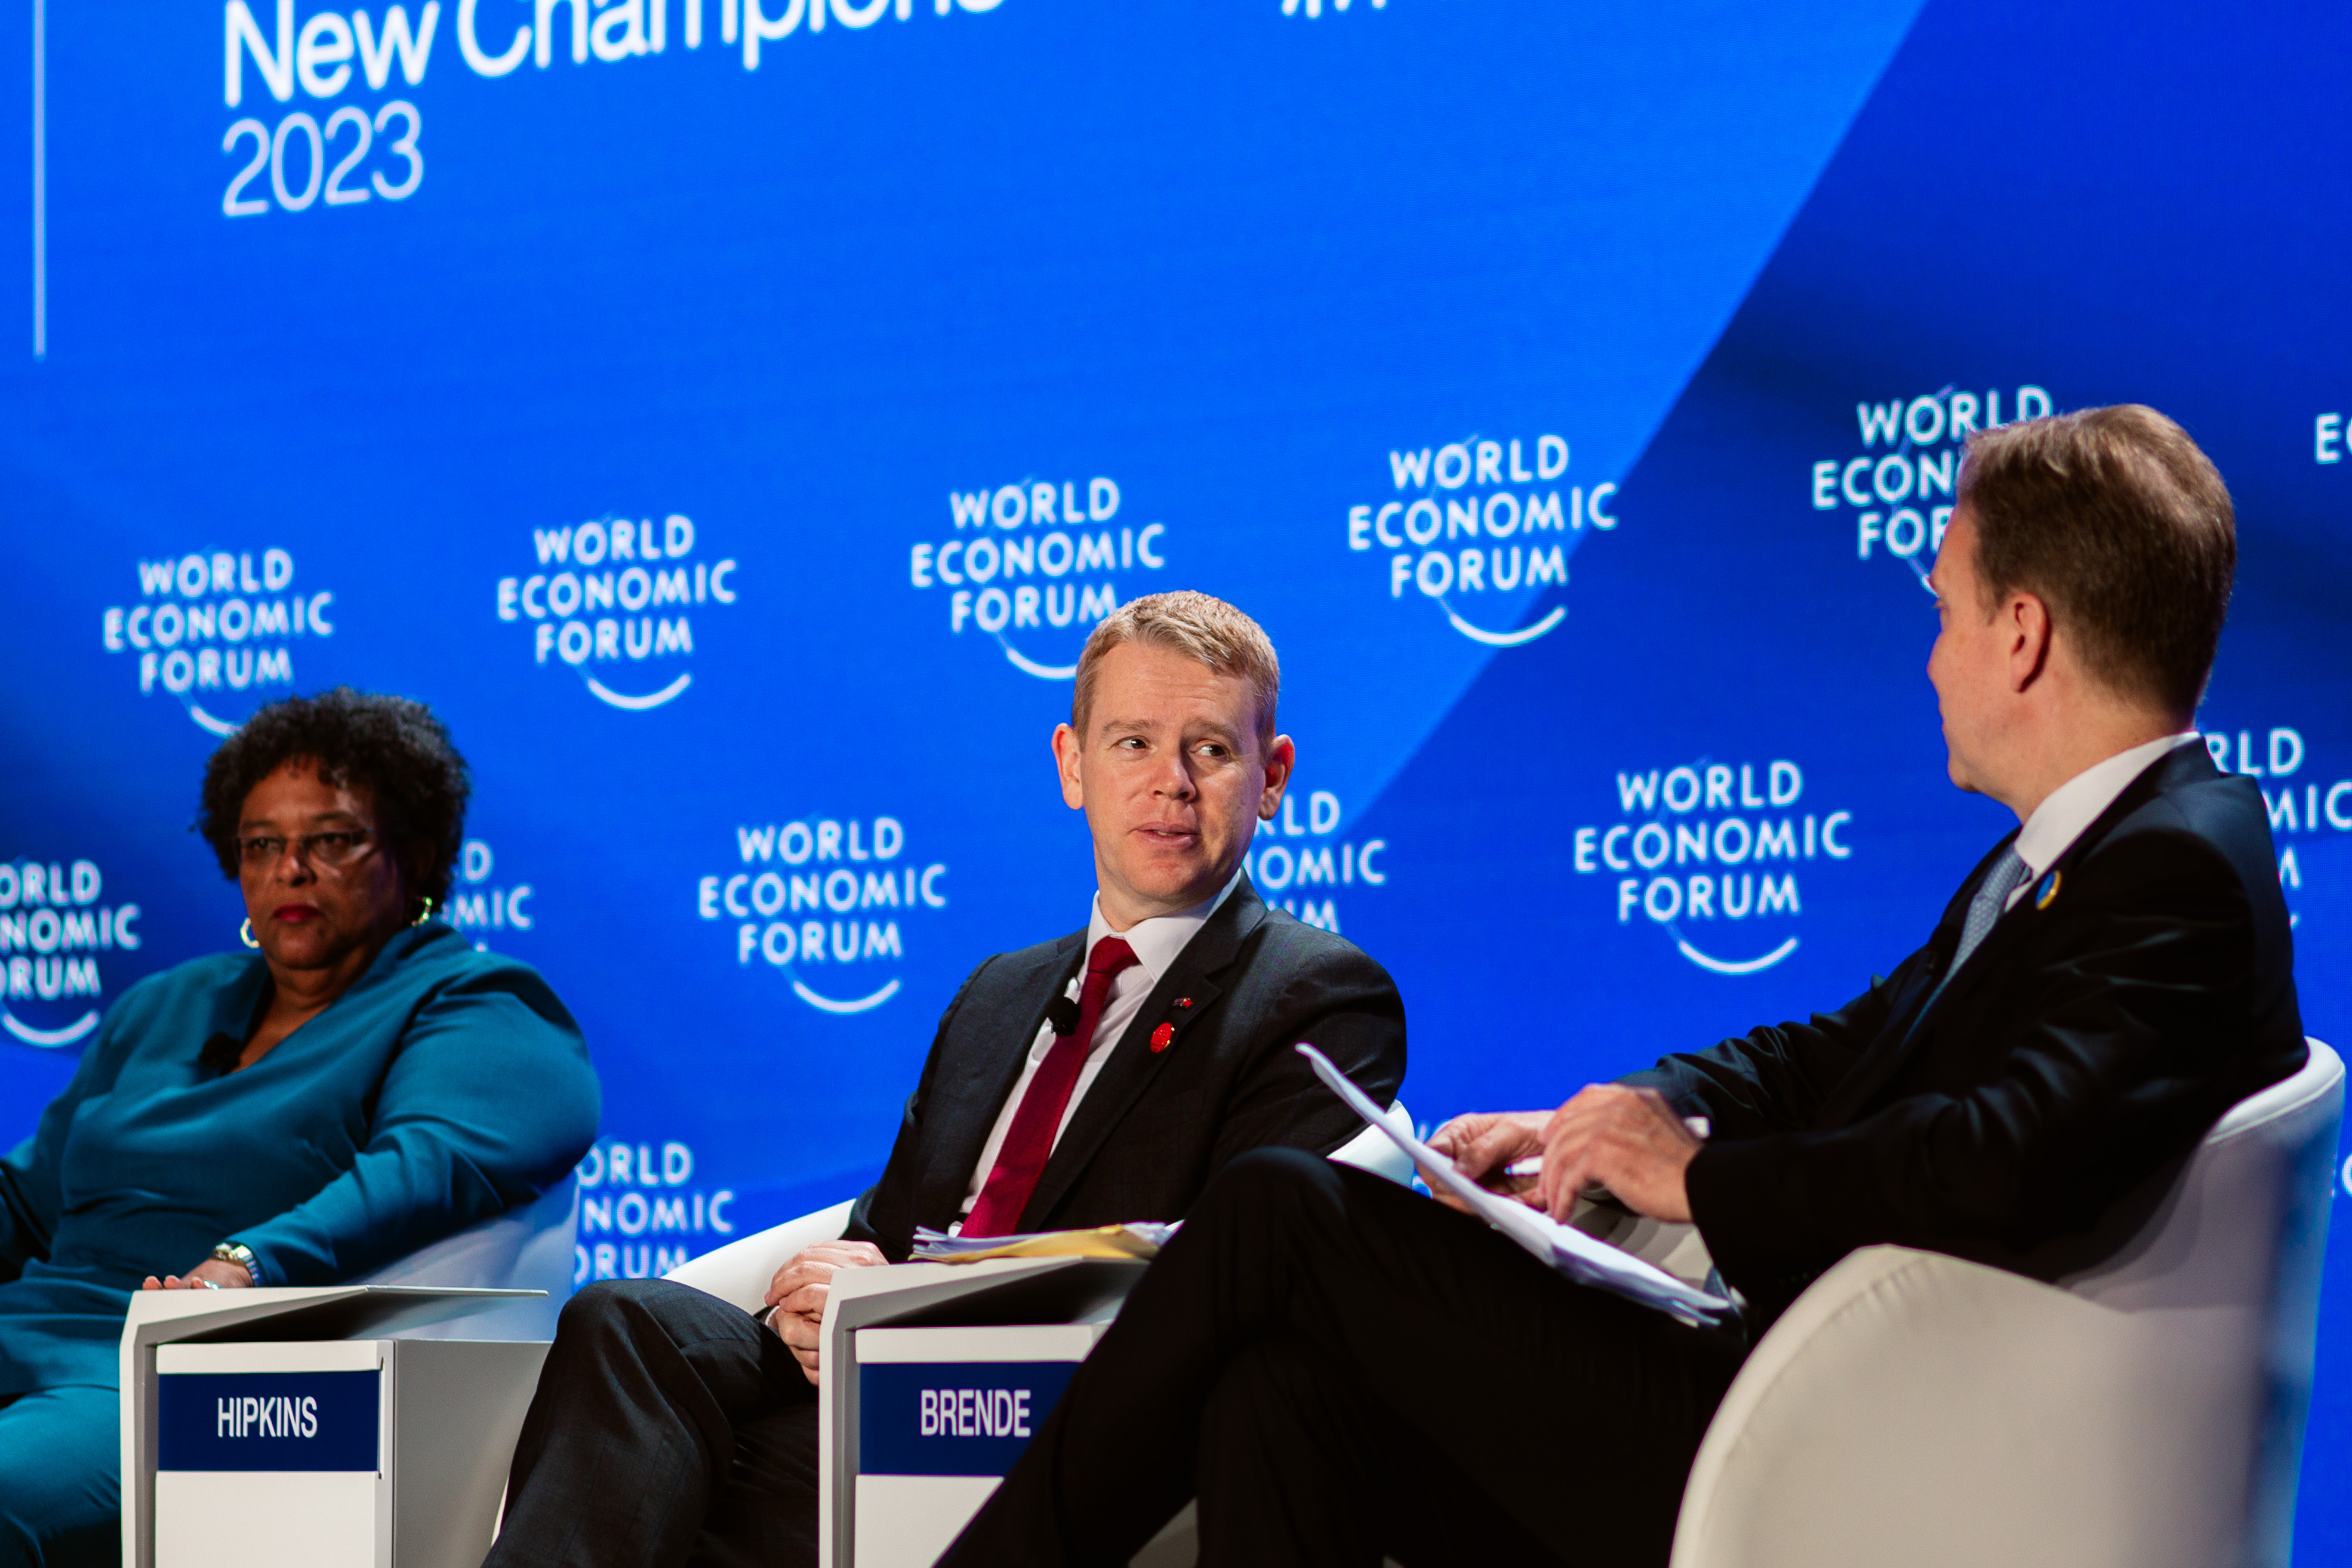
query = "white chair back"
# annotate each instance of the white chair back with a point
(2147, 1413)
(2237, 1248)
(526, 1248)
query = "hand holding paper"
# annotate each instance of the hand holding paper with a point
(1499, 1150)
(1573, 1253)
(1629, 1141)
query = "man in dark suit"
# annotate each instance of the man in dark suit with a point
(1341, 1370)
(1101, 1078)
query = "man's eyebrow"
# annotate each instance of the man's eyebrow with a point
(1231, 734)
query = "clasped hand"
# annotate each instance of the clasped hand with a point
(1627, 1140)
(796, 1296)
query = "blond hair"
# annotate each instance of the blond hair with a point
(1194, 624)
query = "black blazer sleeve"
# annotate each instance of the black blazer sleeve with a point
(2099, 1064)
(882, 1213)
(1345, 1006)
(1776, 1078)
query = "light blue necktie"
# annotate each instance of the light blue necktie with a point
(1989, 903)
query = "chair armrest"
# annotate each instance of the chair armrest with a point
(740, 1272)
(1913, 1407)
(525, 1248)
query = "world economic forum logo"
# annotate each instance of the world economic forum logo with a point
(819, 899)
(616, 600)
(1711, 852)
(1900, 485)
(1032, 566)
(1299, 864)
(641, 1210)
(219, 631)
(1478, 526)
(483, 904)
(53, 924)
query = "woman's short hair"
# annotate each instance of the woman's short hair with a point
(393, 748)
(1194, 624)
(2124, 527)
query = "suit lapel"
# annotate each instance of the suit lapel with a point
(1900, 1039)
(1132, 1063)
(975, 1081)
(1919, 999)
(1993, 953)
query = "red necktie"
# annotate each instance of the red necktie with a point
(1030, 1140)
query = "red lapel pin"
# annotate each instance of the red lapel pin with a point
(1183, 1001)
(1162, 1035)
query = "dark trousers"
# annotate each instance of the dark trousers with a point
(669, 1428)
(1341, 1370)
(60, 1452)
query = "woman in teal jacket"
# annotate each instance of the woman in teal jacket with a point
(361, 1085)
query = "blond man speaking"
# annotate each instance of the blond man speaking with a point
(1098, 1078)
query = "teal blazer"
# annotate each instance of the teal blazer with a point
(444, 1087)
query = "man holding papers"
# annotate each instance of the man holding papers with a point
(1097, 1078)
(1340, 1370)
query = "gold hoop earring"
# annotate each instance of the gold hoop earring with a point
(423, 915)
(244, 932)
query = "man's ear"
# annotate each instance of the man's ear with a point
(1281, 761)
(1065, 764)
(2026, 626)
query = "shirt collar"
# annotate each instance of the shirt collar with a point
(2074, 805)
(1158, 941)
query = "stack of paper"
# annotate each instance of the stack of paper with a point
(1140, 1238)
(1573, 1253)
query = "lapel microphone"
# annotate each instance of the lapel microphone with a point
(1063, 1014)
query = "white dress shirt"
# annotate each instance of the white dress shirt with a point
(2074, 805)
(1157, 942)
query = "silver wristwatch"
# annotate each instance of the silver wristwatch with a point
(238, 1253)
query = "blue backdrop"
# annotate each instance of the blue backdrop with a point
(732, 416)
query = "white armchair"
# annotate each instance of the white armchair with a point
(741, 1270)
(2146, 1413)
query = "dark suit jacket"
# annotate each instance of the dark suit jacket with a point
(2036, 1112)
(1154, 1126)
